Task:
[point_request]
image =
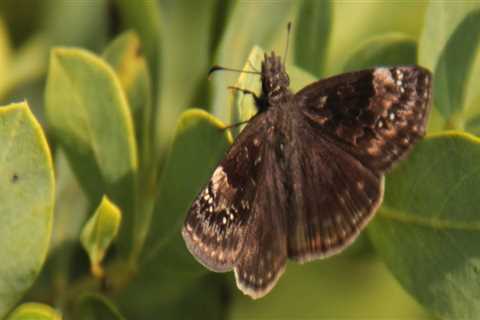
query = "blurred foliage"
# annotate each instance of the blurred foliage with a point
(110, 81)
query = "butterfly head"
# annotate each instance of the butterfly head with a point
(275, 81)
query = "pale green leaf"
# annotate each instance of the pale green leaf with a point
(124, 54)
(26, 202)
(99, 232)
(88, 113)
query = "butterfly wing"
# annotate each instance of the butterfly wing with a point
(217, 222)
(333, 197)
(376, 115)
(264, 256)
(239, 220)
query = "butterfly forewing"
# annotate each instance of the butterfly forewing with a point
(217, 222)
(376, 115)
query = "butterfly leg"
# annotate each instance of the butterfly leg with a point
(235, 125)
(244, 91)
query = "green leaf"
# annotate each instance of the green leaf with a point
(198, 145)
(441, 22)
(99, 232)
(312, 35)
(240, 37)
(71, 205)
(89, 115)
(449, 46)
(185, 63)
(83, 24)
(26, 201)
(387, 49)
(428, 227)
(143, 17)
(35, 311)
(340, 287)
(125, 56)
(94, 306)
(454, 66)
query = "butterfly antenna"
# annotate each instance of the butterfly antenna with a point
(289, 28)
(216, 68)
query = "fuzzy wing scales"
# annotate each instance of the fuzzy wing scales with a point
(376, 115)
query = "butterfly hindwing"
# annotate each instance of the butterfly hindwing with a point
(264, 256)
(217, 222)
(376, 115)
(333, 197)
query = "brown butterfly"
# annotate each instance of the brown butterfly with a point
(306, 174)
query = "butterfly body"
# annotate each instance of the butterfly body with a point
(305, 175)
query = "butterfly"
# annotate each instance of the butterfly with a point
(306, 174)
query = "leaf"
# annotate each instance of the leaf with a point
(441, 22)
(71, 204)
(143, 17)
(428, 227)
(99, 232)
(387, 49)
(124, 54)
(26, 202)
(83, 24)
(175, 295)
(35, 311)
(340, 287)
(95, 306)
(312, 35)
(355, 21)
(454, 66)
(238, 39)
(89, 115)
(448, 46)
(198, 146)
(185, 63)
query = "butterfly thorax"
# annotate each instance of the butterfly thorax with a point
(275, 82)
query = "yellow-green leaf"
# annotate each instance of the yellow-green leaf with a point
(99, 232)
(125, 56)
(26, 201)
(198, 146)
(89, 116)
(35, 311)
